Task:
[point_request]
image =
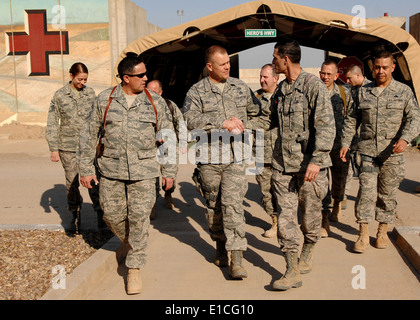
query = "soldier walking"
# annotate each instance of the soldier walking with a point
(128, 165)
(301, 108)
(175, 114)
(68, 111)
(268, 81)
(388, 115)
(222, 107)
(340, 97)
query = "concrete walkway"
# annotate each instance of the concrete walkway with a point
(180, 251)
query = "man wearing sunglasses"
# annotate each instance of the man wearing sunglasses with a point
(128, 164)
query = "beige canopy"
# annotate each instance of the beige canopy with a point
(176, 55)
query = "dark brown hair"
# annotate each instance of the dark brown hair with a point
(77, 68)
(290, 48)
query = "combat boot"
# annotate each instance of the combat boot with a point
(76, 221)
(134, 283)
(221, 259)
(236, 270)
(79, 221)
(363, 241)
(306, 258)
(168, 201)
(272, 232)
(153, 212)
(73, 227)
(291, 278)
(382, 236)
(344, 204)
(100, 219)
(336, 211)
(325, 227)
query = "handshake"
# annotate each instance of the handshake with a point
(234, 126)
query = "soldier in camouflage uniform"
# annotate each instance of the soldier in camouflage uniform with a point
(268, 81)
(68, 111)
(388, 115)
(177, 119)
(301, 108)
(128, 166)
(222, 106)
(340, 97)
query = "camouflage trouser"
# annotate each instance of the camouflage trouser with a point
(264, 181)
(291, 193)
(338, 176)
(71, 170)
(377, 197)
(127, 206)
(224, 187)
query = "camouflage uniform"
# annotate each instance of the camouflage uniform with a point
(339, 169)
(223, 176)
(67, 114)
(270, 137)
(307, 98)
(384, 118)
(128, 166)
(177, 119)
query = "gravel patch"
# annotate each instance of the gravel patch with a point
(27, 258)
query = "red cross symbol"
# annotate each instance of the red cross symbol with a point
(37, 43)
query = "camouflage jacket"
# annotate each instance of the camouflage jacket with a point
(340, 106)
(302, 111)
(270, 136)
(130, 137)
(177, 118)
(66, 116)
(206, 108)
(384, 118)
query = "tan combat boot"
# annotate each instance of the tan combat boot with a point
(344, 204)
(236, 270)
(306, 258)
(134, 284)
(291, 278)
(168, 201)
(382, 236)
(363, 241)
(221, 259)
(272, 232)
(325, 227)
(336, 211)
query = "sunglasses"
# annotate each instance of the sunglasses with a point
(140, 75)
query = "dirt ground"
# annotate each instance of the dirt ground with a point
(23, 161)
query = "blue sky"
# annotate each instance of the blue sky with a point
(164, 14)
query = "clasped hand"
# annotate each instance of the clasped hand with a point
(234, 126)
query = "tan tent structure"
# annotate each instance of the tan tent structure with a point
(176, 55)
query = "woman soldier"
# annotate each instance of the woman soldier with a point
(69, 109)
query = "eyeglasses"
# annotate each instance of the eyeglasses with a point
(140, 75)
